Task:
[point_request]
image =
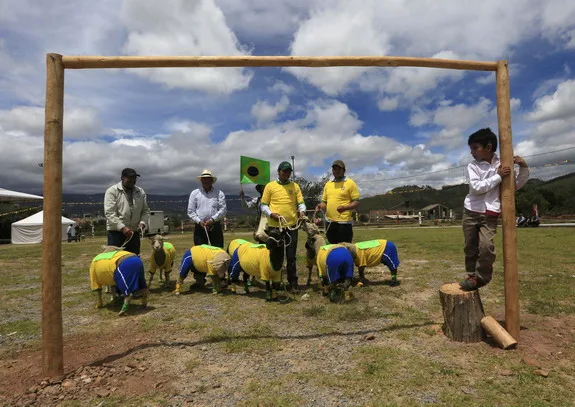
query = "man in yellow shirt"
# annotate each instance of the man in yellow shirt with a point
(282, 202)
(340, 197)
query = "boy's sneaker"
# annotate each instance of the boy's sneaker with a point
(471, 283)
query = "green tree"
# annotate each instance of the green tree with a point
(311, 190)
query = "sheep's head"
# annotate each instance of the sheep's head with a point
(275, 239)
(310, 228)
(220, 263)
(157, 242)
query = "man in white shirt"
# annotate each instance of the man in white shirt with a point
(207, 208)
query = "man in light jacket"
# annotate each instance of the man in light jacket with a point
(127, 212)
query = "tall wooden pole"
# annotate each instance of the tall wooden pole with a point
(52, 341)
(511, 275)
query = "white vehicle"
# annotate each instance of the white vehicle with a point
(157, 224)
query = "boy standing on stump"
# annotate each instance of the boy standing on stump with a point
(482, 206)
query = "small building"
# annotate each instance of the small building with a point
(436, 211)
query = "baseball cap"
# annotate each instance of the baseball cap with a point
(339, 163)
(285, 165)
(129, 172)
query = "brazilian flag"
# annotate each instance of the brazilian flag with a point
(254, 171)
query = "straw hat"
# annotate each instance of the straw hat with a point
(206, 174)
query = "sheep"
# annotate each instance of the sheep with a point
(374, 252)
(121, 269)
(162, 258)
(204, 260)
(335, 263)
(232, 247)
(264, 261)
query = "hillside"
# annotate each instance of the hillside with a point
(555, 197)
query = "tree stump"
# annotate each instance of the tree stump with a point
(462, 313)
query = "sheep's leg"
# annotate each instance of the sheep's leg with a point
(247, 282)
(161, 275)
(362, 280)
(125, 306)
(324, 285)
(216, 284)
(269, 291)
(145, 293)
(167, 277)
(309, 271)
(348, 296)
(99, 302)
(151, 278)
(178, 285)
(394, 282)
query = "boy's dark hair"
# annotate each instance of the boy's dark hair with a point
(484, 136)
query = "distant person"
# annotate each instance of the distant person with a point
(482, 206)
(207, 208)
(282, 201)
(127, 212)
(69, 231)
(261, 222)
(340, 197)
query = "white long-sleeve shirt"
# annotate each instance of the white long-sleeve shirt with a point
(203, 205)
(484, 185)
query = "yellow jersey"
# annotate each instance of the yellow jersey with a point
(284, 200)
(337, 193)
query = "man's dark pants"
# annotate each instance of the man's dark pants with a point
(214, 232)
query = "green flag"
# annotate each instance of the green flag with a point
(254, 171)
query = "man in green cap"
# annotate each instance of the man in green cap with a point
(282, 202)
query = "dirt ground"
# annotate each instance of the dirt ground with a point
(121, 360)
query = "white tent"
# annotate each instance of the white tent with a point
(29, 230)
(7, 195)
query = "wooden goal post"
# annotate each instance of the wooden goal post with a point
(56, 64)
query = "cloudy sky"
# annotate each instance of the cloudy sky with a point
(392, 126)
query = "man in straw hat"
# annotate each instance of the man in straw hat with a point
(207, 208)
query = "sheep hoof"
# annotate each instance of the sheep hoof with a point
(122, 313)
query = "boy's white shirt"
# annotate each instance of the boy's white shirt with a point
(484, 183)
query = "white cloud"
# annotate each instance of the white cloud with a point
(341, 29)
(79, 123)
(559, 105)
(388, 104)
(180, 27)
(265, 112)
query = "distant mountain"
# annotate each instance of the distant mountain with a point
(77, 205)
(555, 197)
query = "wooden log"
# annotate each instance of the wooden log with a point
(52, 338)
(498, 333)
(510, 273)
(462, 313)
(87, 62)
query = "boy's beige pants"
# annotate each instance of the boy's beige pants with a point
(479, 230)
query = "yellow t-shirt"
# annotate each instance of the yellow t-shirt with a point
(255, 260)
(234, 244)
(283, 199)
(336, 193)
(203, 256)
(369, 253)
(170, 256)
(321, 258)
(103, 266)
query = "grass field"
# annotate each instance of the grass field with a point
(386, 348)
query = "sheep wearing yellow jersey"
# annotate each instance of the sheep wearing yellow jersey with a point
(162, 258)
(262, 261)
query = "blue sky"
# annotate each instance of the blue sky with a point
(392, 126)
